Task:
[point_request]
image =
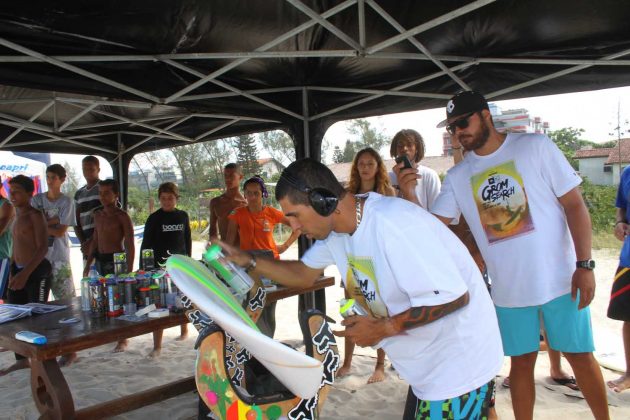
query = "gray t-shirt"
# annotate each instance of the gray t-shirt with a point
(63, 207)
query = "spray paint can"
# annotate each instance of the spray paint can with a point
(350, 307)
(120, 263)
(148, 261)
(114, 302)
(234, 276)
(97, 298)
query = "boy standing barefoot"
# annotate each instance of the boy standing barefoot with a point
(167, 232)
(113, 233)
(30, 271)
(59, 212)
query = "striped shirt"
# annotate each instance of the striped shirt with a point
(86, 200)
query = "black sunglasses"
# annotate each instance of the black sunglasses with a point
(460, 123)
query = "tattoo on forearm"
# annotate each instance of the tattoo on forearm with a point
(423, 315)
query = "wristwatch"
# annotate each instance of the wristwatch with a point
(252, 264)
(588, 264)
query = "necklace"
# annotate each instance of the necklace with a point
(359, 214)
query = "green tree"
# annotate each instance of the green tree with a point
(349, 151)
(247, 155)
(72, 180)
(192, 160)
(366, 135)
(568, 141)
(600, 201)
(219, 153)
(279, 145)
(337, 155)
(605, 145)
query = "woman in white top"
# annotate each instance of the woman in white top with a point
(427, 187)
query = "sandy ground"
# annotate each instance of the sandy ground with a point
(100, 375)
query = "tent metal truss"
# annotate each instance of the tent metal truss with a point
(111, 111)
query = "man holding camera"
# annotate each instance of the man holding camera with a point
(522, 201)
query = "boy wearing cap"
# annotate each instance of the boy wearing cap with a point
(522, 201)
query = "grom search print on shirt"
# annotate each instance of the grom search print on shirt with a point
(362, 285)
(502, 202)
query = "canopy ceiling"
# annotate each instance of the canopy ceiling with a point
(121, 77)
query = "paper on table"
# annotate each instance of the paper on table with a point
(10, 312)
(44, 308)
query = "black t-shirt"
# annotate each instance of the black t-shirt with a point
(166, 233)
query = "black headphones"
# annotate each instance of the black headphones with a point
(323, 201)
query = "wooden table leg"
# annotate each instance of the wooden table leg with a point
(50, 390)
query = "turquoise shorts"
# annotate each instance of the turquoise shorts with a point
(568, 330)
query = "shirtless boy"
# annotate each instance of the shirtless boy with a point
(30, 270)
(113, 233)
(222, 206)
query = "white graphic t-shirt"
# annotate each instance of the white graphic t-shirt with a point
(428, 187)
(63, 208)
(402, 257)
(510, 201)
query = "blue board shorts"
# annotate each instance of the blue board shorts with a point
(568, 330)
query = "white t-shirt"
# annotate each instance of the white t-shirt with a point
(428, 187)
(394, 266)
(510, 201)
(63, 207)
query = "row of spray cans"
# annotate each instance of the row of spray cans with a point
(125, 293)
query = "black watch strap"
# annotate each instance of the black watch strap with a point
(588, 264)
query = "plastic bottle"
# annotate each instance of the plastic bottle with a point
(233, 275)
(85, 294)
(93, 274)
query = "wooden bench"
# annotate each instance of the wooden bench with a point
(50, 390)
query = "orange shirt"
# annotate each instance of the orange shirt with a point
(256, 229)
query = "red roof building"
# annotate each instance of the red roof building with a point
(603, 166)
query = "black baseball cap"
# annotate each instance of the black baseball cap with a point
(464, 103)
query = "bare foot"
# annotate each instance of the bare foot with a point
(121, 346)
(155, 353)
(68, 359)
(378, 375)
(182, 337)
(620, 384)
(343, 371)
(19, 364)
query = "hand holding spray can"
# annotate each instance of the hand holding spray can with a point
(350, 307)
(233, 275)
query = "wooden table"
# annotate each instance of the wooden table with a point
(50, 390)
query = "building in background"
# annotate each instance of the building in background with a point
(269, 167)
(508, 121)
(152, 178)
(604, 166)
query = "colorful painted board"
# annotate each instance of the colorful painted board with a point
(300, 373)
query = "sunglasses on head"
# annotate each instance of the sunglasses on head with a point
(460, 123)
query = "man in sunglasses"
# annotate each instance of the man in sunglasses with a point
(522, 201)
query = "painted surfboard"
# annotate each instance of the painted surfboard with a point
(301, 374)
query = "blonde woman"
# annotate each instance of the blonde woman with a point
(368, 174)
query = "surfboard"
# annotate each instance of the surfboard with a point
(300, 373)
(609, 350)
(613, 361)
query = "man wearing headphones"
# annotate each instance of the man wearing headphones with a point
(428, 306)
